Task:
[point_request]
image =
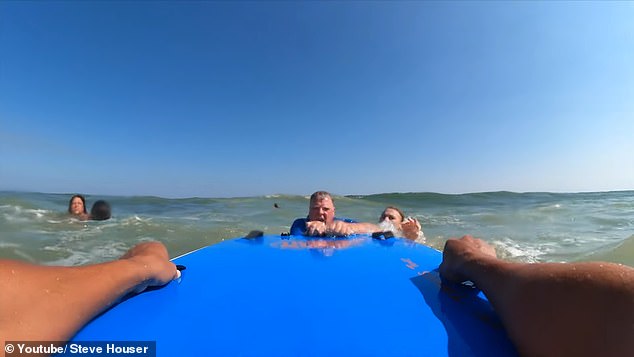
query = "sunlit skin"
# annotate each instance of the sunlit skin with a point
(321, 221)
(321, 214)
(550, 309)
(50, 303)
(77, 207)
(322, 210)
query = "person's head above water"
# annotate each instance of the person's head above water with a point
(394, 215)
(100, 211)
(393, 219)
(321, 207)
(77, 205)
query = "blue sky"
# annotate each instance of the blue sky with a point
(219, 99)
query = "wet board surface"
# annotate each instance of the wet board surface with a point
(293, 296)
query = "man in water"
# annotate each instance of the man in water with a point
(321, 220)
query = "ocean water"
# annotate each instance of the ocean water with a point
(529, 227)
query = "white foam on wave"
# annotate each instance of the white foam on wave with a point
(389, 226)
(24, 256)
(135, 220)
(522, 251)
(17, 214)
(190, 218)
(15, 250)
(13, 214)
(74, 259)
(39, 213)
(443, 220)
(80, 255)
(550, 208)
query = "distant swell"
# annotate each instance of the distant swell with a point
(523, 226)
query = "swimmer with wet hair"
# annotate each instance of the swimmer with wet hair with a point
(100, 211)
(77, 207)
(409, 227)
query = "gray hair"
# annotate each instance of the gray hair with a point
(320, 195)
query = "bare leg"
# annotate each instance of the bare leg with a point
(47, 303)
(551, 309)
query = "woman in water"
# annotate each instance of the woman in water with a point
(407, 227)
(77, 207)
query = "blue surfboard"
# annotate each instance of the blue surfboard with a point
(298, 296)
